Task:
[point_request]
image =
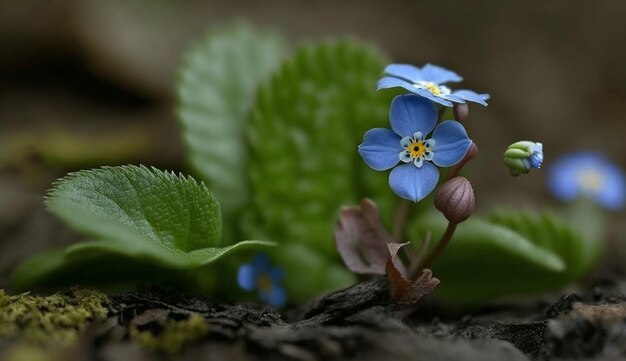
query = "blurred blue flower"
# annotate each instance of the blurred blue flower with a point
(588, 174)
(261, 276)
(412, 118)
(427, 82)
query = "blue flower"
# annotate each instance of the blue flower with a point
(412, 118)
(588, 174)
(261, 276)
(427, 82)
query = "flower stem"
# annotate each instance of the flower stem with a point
(402, 216)
(443, 242)
(440, 113)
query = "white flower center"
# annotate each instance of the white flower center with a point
(416, 149)
(434, 88)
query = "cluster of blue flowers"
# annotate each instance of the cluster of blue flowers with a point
(413, 117)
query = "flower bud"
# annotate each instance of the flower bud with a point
(461, 111)
(521, 156)
(455, 199)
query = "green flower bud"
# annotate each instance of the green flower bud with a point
(455, 199)
(521, 156)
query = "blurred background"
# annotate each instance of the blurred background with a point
(85, 83)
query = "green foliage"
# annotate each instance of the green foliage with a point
(216, 87)
(508, 253)
(309, 274)
(144, 222)
(303, 134)
(55, 320)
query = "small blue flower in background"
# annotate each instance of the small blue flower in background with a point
(588, 174)
(261, 276)
(412, 118)
(427, 82)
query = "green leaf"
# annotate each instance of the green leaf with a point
(309, 274)
(511, 253)
(589, 221)
(303, 135)
(217, 84)
(550, 232)
(141, 218)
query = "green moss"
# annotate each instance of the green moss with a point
(30, 353)
(52, 320)
(173, 336)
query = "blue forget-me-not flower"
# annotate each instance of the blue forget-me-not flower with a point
(427, 82)
(262, 277)
(412, 118)
(588, 174)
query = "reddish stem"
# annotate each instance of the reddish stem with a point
(471, 154)
(443, 242)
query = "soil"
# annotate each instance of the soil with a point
(358, 323)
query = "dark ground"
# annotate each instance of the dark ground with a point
(357, 323)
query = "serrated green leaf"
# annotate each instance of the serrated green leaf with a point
(173, 212)
(216, 86)
(142, 219)
(303, 134)
(511, 253)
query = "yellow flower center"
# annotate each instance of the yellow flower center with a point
(432, 87)
(417, 149)
(590, 180)
(264, 283)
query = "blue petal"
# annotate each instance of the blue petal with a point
(410, 114)
(246, 277)
(276, 297)
(612, 195)
(536, 158)
(562, 178)
(277, 274)
(380, 148)
(405, 71)
(439, 75)
(452, 98)
(430, 96)
(412, 183)
(261, 263)
(472, 96)
(451, 143)
(389, 82)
